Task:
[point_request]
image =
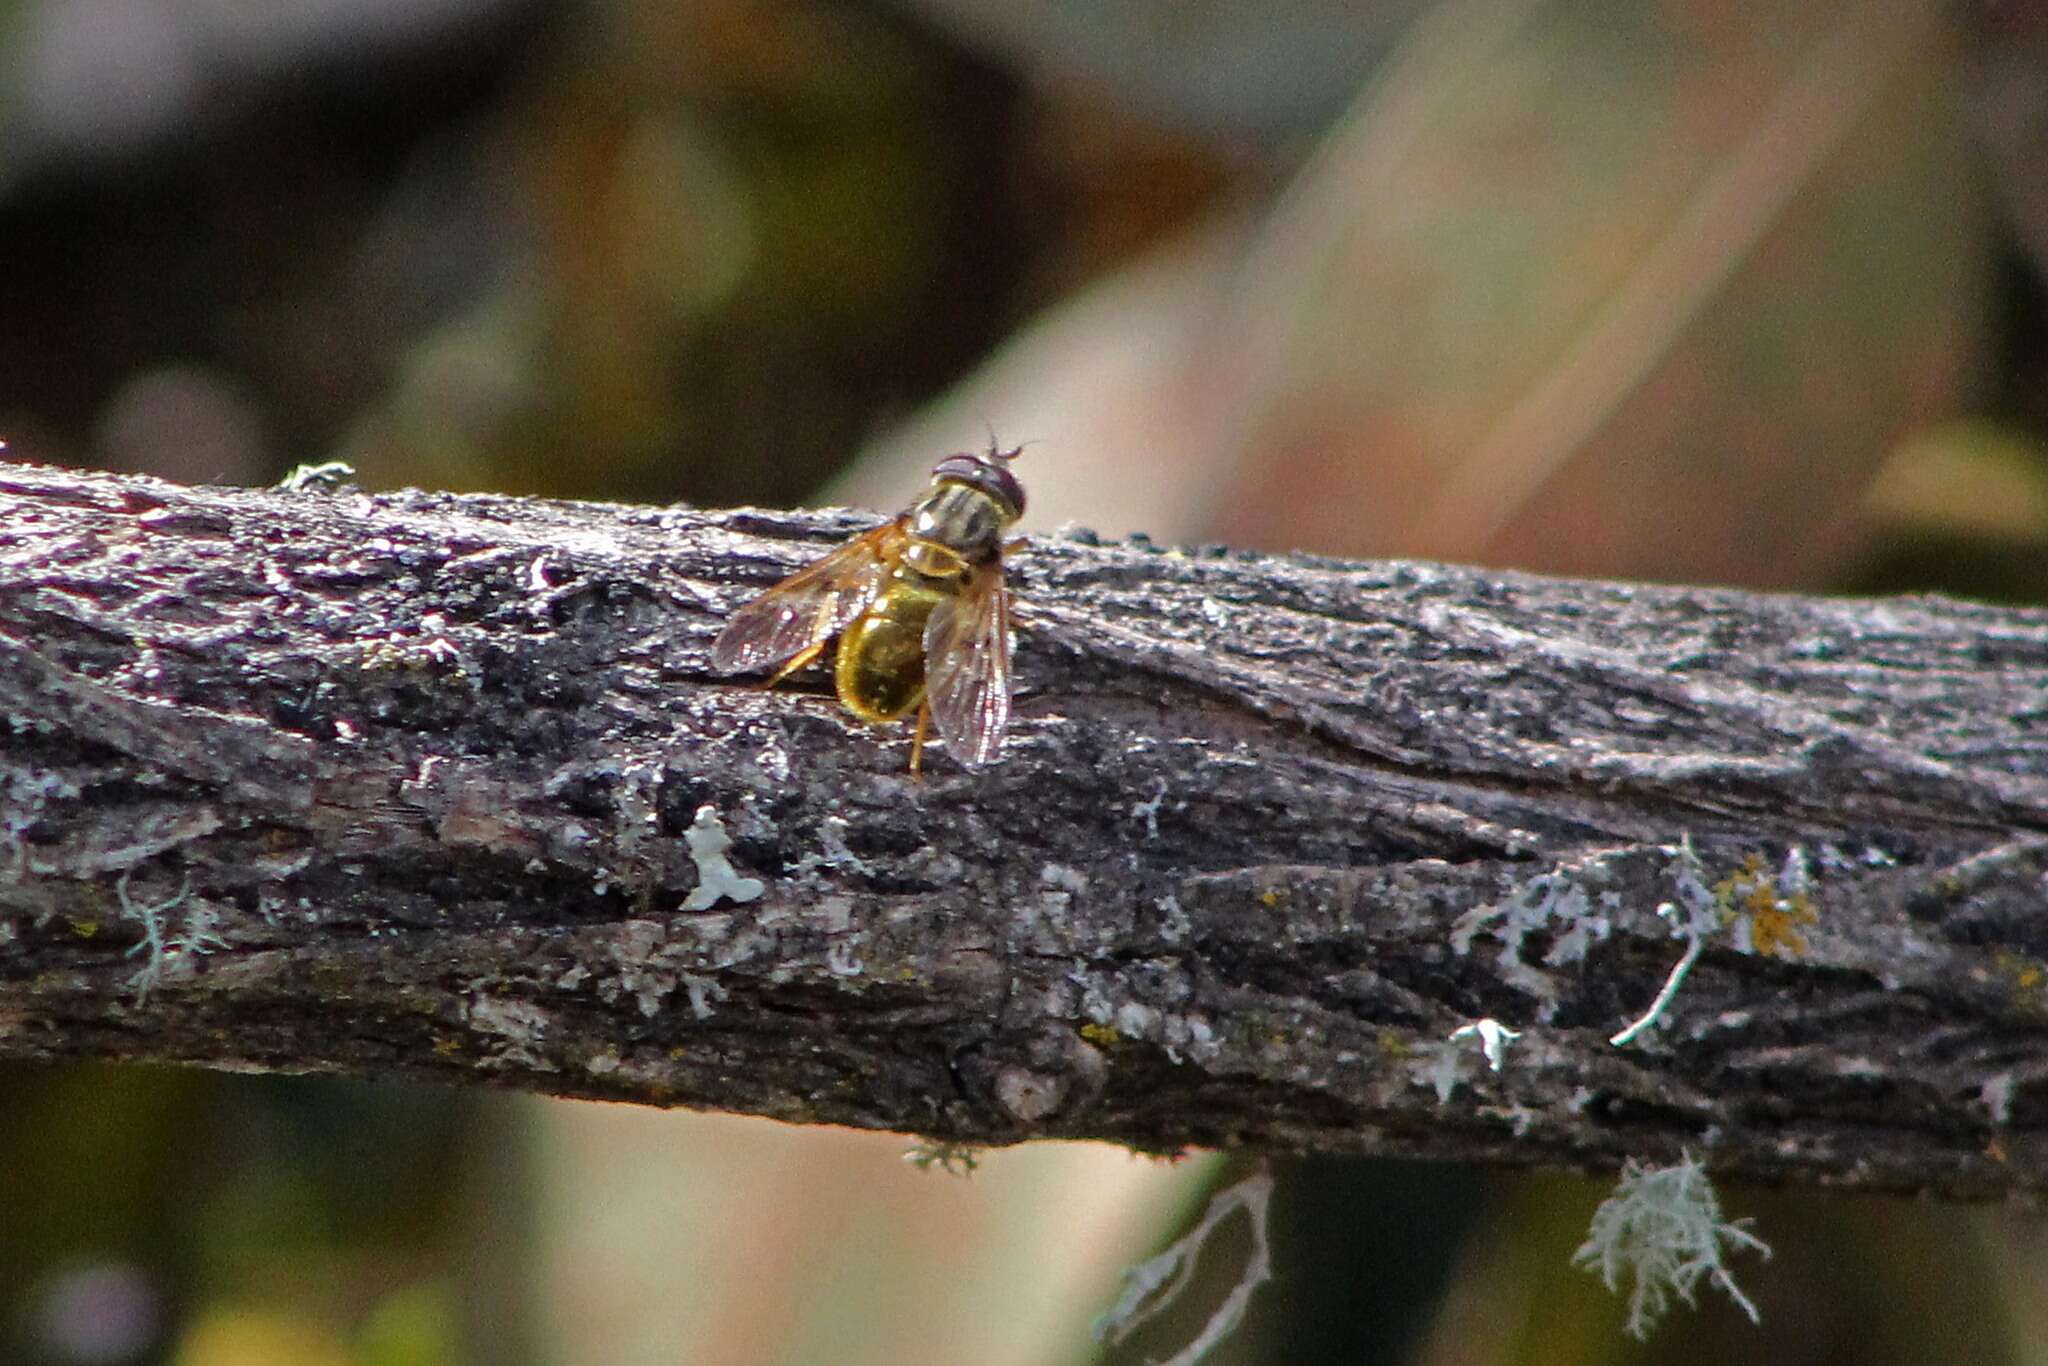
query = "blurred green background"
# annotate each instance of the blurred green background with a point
(1732, 292)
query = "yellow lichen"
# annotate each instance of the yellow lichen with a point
(1774, 917)
(1101, 1035)
(2026, 975)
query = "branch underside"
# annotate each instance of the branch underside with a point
(401, 785)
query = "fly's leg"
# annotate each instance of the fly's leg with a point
(802, 658)
(924, 717)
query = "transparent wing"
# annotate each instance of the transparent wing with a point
(812, 605)
(967, 666)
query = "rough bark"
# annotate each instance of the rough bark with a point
(403, 784)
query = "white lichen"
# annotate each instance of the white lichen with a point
(636, 795)
(702, 991)
(1177, 925)
(1694, 944)
(1692, 917)
(1444, 1063)
(1797, 875)
(954, 1159)
(1493, 1039)
(1051, 911)
(1558, 904)
(166, 947)
(1135, 1021)
(1193, 1036)
(1153, 1285)
(842, 959)
(26, 794)
(324, 477)
(717, 879)
(516, 1028)
(832, 834)
(1443, 1071)
(1521, 1119)
(646, 966)
(1070, 880)
(1148, 810)
(200, 932)
(1996, 1097)
(834, 852)
(1662, 1228)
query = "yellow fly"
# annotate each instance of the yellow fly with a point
(920, 607)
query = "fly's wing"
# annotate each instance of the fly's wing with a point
(967, 666)
(810, 606)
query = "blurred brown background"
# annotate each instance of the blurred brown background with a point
(1738, 292)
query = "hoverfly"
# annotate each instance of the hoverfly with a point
(919, 605)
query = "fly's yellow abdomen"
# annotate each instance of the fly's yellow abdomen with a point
(881, 657)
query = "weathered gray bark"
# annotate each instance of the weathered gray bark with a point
(402, 784)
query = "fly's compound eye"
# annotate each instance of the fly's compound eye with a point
(985, 474)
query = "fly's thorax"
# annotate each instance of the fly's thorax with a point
(961, 518)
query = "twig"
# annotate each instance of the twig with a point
(1264, 832)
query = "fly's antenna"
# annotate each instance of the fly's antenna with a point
(995, 450)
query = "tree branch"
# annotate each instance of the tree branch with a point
(406, 784)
